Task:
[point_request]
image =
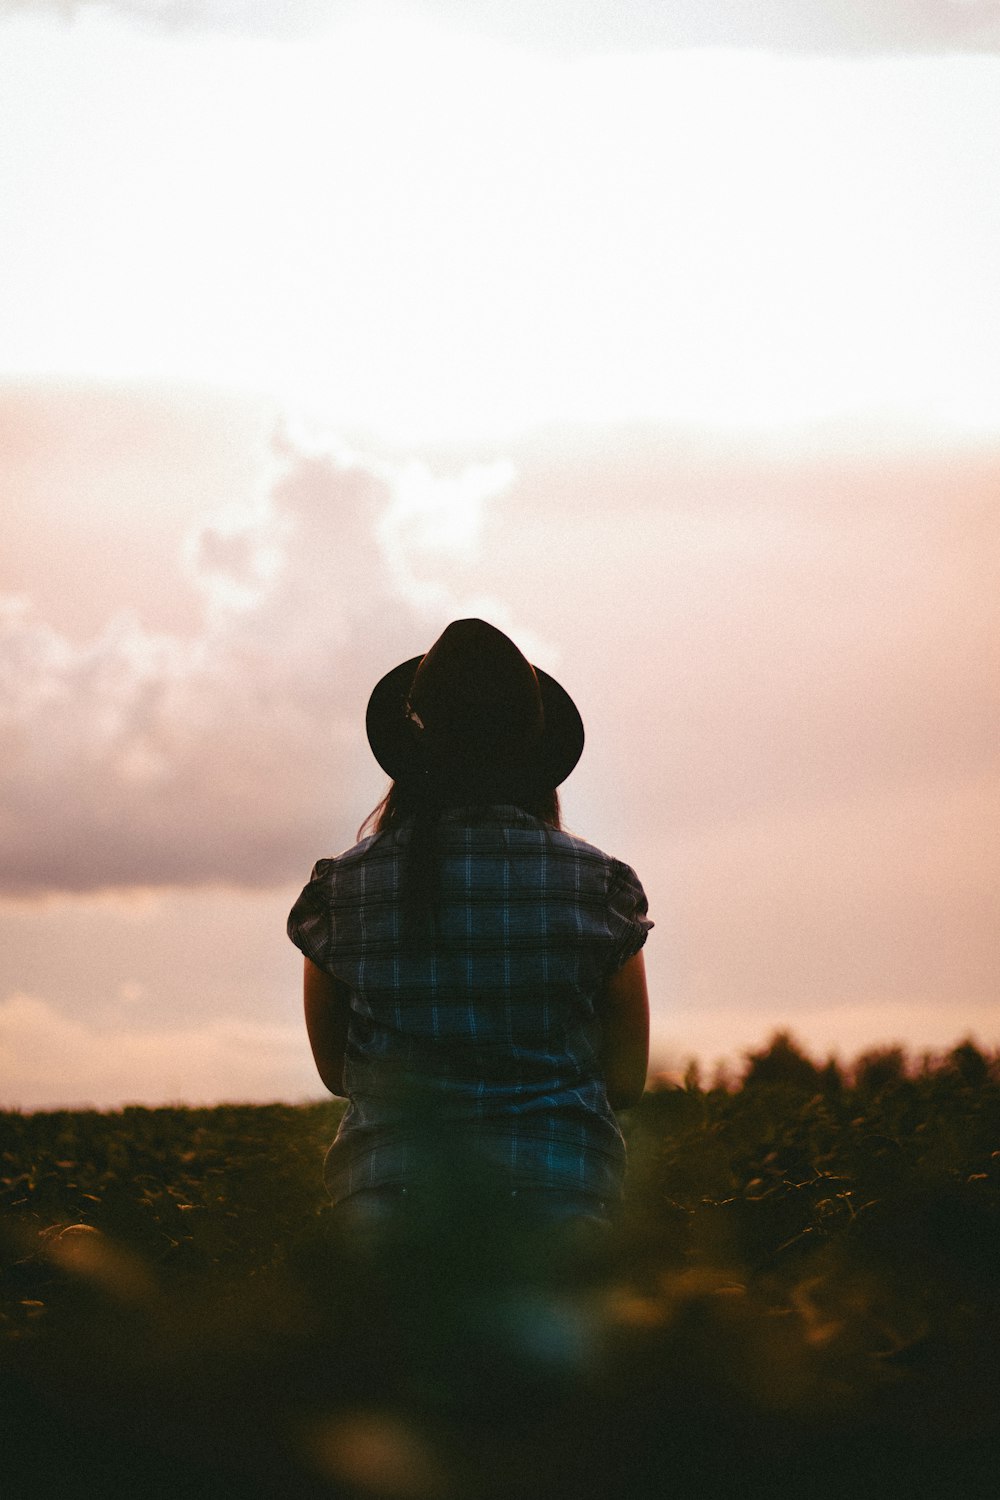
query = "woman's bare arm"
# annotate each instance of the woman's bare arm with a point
(328, 1009)
(624, 1013)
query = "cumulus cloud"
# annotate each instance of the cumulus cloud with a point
(235, 557)
(838, 26)
(51, 1060)
(437, 517)
(135, 758)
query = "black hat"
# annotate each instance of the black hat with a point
(474, 706)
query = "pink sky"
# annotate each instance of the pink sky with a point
(706, 422)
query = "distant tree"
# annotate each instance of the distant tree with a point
(783, 1062)
(724, 1080)
(971, 1065)
(831, 1077)
(692, 1076)
(879, 1069)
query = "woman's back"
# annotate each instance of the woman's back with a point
(490, 1000)
(502, 974)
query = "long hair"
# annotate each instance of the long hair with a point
(423, 808)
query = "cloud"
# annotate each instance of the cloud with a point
(854, 27)
(112, 476)
(45, 1055)
(234, 559)
(837, 26)
(290, 18)
(227, 756)
(435, 517)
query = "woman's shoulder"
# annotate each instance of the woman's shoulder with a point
(583, 849)
(592, 864)
(376, 845)
(626, 903)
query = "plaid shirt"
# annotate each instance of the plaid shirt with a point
(491, 1015)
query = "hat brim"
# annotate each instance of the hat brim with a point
(390, 733)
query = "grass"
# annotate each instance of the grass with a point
(802, 1297)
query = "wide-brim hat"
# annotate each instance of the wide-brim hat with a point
(479, 696)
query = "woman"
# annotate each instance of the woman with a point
(473, 973)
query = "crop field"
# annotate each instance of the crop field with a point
(801, 1297)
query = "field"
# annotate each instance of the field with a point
(802, 1297)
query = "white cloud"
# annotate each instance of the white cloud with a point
(837, 26)
(851, 26)
(290, 18)
(436, 516)
(51, 1060)
(235, 555)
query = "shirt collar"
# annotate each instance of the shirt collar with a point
(495, 812)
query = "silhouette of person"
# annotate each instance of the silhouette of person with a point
(469, 964)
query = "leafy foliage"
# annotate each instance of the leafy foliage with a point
(802, 1296)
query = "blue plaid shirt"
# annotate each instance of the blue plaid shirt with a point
(492, 1015)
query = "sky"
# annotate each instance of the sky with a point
(663, 336)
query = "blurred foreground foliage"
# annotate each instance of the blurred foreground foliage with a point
(802, 1297)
